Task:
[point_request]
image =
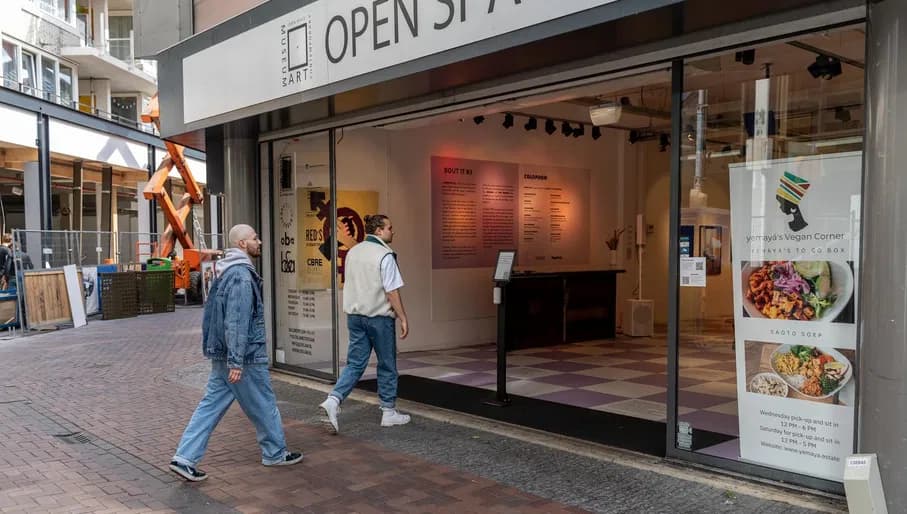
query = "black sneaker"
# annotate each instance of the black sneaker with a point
(290, 459)
(188, 472)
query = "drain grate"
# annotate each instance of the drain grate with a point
(73, 438)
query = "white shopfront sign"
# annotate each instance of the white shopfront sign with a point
(796, 234)
(329, 41)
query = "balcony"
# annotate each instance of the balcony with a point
(11, 82)
(114, 60)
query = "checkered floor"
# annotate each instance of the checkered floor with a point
(624, 376)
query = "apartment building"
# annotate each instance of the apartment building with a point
(74, 153)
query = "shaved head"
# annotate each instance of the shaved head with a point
(240, 233)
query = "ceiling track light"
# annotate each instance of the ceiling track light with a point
(825, 67)
(550, 127)
(532, 124)
(596, 133)
(579, 131)
(663, 142)
(746, 57)
(479, 120)
(566, 129)
(508, 120)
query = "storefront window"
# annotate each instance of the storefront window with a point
(771, 160)
(306, 249)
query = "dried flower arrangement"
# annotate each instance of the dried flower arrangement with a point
(614, 240)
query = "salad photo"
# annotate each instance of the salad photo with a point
(798, 371)
(811, 371)
(797, 290)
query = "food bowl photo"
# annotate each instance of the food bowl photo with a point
(797, 381)
(837, 281)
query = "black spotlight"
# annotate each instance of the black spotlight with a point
(508, 120)
(825, 67)
(550, 127)
(747, 57)
(579, 131)
(479, 120)
(566, 129)
(634, 137)
(663, 142)
(596, 133)
(532, 124)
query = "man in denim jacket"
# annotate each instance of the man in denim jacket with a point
(233, 337)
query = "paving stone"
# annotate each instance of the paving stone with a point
(130, 386)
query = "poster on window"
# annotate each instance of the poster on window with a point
(795, 236)
(90, 290)
(318, 238)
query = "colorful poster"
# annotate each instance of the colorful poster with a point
(317, 237)
(795, 233)
(474, 209)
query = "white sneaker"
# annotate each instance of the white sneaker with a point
(390, 417)
(331, 408)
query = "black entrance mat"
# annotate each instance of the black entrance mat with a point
(635, 434)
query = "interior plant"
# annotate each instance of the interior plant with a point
(614, 240)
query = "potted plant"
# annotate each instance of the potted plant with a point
(612, 243)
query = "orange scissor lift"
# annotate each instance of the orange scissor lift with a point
(175, 215)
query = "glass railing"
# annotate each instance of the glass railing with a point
(10, 82)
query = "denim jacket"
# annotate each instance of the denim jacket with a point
(233, 329)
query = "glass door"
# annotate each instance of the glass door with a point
(770, 142)
(305, 256)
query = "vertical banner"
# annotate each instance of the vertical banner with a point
(796, 233)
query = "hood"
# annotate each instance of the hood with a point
(232, 257)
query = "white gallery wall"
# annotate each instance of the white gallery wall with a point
(453, 307)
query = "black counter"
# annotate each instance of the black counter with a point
(546, 309)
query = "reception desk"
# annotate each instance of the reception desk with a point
(546, 309)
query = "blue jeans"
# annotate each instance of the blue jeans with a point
(365, 334)
(255, 396)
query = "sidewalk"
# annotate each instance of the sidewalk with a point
(90, 418)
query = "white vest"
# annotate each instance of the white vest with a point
(363, 288)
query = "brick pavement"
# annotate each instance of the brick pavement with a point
(90, 418)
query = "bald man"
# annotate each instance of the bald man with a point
(233, 338)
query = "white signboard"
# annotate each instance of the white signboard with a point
(329, 41)
(796, 232)
(692, 272)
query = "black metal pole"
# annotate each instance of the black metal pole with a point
(45, 200)
(501, 399)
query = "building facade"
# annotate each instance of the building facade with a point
(75, 153)
(716, 185)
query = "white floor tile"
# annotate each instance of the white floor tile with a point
(706, 374)
(525, 360)
(530, 388)
(613, 373)
(644, 409)
(438, 359)
(625, 389)
(524, 373)
(725, 389)
(436, 372)
(729, 408)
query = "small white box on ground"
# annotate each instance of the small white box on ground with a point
(863, 485)
(641, 318)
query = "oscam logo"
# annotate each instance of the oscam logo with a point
(296, 51)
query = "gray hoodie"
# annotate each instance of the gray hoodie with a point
(232, 257)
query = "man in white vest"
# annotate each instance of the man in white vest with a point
(372, 303)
